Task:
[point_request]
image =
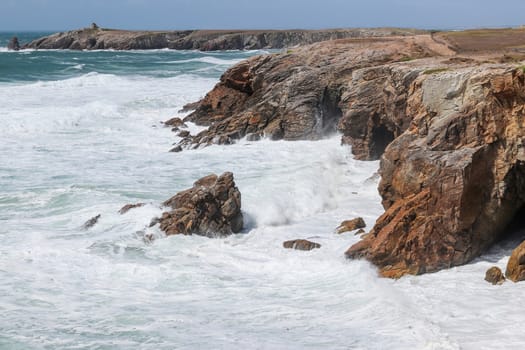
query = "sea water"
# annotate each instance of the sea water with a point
(81, 134)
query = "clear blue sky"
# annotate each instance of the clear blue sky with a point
(228, 14)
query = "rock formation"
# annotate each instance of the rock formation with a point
(516, 265)
(494, 275)
(454, 180)
(204, 40)
(351, 225)
(351, 85)
(448, 127)
(301, 244)
(128, 207)
(13, 44)
(91, 222)
(212, 207)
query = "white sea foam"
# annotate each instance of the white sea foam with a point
(75, 148)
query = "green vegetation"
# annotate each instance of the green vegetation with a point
(435, 70)
(406, 59)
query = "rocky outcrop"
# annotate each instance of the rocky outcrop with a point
(494, 275)
(516, 265)
(205, 40)
(128, 207)
(301, 244)
(13, 44)
(212, 207)
(349, 85)
(455, 179)
(351, 225)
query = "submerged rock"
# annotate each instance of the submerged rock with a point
(128, 207)
(301, 244)
(351, 225)
(494, 275)
(212, 207)
(516, 265)
(13, 44)
(91, 222)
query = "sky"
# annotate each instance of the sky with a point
(58, 15)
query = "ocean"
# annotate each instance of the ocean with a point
(81, 135)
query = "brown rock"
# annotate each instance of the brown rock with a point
(494, 275)
(183, 133)
(212, 207)
(360, 232)
(174, 122)
(351, 225)
(516, 265)
(454, 180)
(128, 207)
(301, 244)
(350, 85)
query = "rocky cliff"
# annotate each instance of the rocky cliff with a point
(447, 127)
(96, 38)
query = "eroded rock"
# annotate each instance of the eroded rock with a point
(212, 207)
(91, 222)
(351, 225)
(494, 275)
(301, 244)
(516, 266)
(13, 44)
(454, 180)
(128, 207)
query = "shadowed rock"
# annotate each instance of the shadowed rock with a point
(13, 44)
(212, 207)
(91, 222)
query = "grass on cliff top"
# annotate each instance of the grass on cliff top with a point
(485, 39)
(435, 70)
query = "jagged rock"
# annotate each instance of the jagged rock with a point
(128, 207)
(516, 265)
(176, 149)
(360, 232)
(91, 222)
(349, 85)
(494, 275)
(212, 207)
(13, 44)
(183, 133)
(454, 180)
(154, 222)
(351, 225)
(204, 40)
(175, 122)
(301, 244)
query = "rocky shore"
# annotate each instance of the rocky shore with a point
(446, 117)
(95, 38)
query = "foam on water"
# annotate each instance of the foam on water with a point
(74, 148)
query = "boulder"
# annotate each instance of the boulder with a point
(128, 207)
(13, 44)
(516, 265)
(301, 244)
(351, 225)
(494, 275)
(212, 207)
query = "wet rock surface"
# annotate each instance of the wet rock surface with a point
(212, 207)
(301, 244)
(494, 275)
(13, 44)
(516, 266)
(351, 225)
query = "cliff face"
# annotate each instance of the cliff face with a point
(204, 40)
(449, 130)
(455, 179)
(314, 90)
